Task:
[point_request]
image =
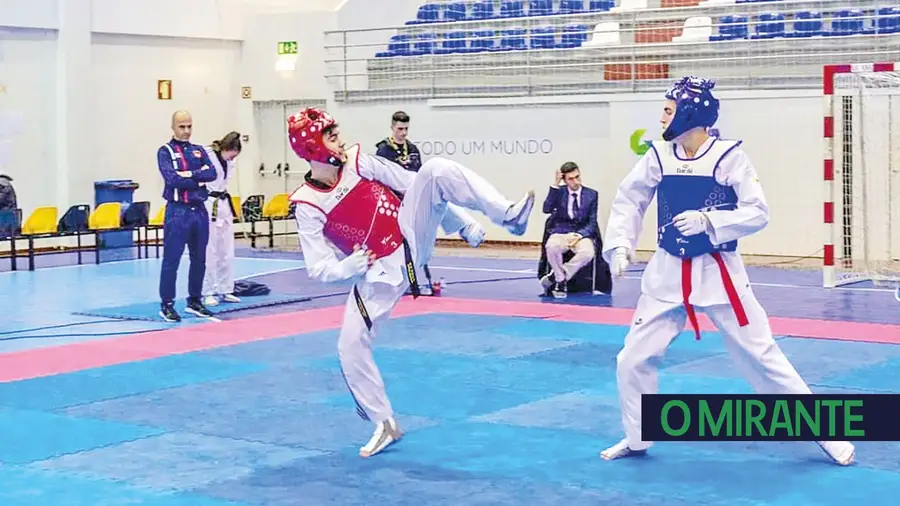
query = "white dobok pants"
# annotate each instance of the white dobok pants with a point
(219, 276)
(423, 210)
(656, 324)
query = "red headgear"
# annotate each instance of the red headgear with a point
(305, 135)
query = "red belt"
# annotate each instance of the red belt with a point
(729, 290)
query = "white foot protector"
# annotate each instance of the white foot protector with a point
(210, 300)
(230, 297)
(518, 214)
(841, 452)
(620, 450)
(473, 234)
(386, 433)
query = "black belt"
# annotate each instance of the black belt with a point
(221, 196)
(413, 286)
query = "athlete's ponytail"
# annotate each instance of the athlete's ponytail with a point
(231, 142)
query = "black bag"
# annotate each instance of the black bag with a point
(245, 288)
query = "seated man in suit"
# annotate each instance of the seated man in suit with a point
(572, 227)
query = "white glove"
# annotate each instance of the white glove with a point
(691, 223)
(473, 234)
(620, 262)
(356, 264)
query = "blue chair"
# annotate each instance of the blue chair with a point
(571, 6)
(601, 5)
(540, 8)
(888, 20)
(483, 9)
(455, 11)
(807, 24)
(424, 44)
(428, 13)
(848, 22)
(573, 36)
(398, 46)
(513, 40)
(454, 42)
(731, 28)
(770, 26)
(512, 9)
(482, 40)
(543, 38)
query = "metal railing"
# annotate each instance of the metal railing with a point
(635, 56)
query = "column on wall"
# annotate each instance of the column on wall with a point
(75, 127)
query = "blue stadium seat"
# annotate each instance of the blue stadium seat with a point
(455, 11)
(770, 26)
(888, 20)
(398, 46)
(454, 42)
(482, 40)
(483, 9)
(512, 9)
(540, 7)
(424, 44)
(807, 24)
(848, 22)
(573, 36)
(601, 5)
(731, 28)
(513, 40)
(428, 13)
(571, 6)
(543, 38)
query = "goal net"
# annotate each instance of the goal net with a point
(862, 174)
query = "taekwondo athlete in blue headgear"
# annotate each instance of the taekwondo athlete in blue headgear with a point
(185, 168)
(708, 196)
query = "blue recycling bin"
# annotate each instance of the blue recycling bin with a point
(115, 190)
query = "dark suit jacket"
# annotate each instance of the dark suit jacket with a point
(557, 206)
(585, 222)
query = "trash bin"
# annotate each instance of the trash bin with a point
(115, 190)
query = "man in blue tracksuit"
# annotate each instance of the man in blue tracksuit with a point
(185, 168)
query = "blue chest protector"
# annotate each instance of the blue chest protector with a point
(690, 185)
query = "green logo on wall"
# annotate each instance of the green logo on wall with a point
(639, 146)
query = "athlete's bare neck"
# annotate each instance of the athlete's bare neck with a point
(692, 141)
(325, 174)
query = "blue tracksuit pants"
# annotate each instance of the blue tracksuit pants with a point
(185, 225)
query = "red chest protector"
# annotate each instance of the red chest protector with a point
(357, 211)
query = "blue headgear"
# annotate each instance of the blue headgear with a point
(695, 106)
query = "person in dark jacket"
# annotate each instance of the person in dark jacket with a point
(397, 148)
(185, 168)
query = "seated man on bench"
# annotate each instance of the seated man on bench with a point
(572, 231)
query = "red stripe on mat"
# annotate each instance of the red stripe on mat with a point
(27, 364)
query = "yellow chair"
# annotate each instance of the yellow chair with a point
(236, 204)
(278, 207)
(43, 220)
(160, 218)
(107, 216)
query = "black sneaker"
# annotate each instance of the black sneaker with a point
(559, 290)
(169, 314)
(197, 308)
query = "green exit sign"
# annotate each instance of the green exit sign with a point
(287, 47)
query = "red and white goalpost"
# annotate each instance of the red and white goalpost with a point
(862, 174)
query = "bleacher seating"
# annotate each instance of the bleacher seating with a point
(517, 31)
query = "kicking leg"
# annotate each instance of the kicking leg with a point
(655, 325)
(759, 358)
(441, 182)
(358, 365)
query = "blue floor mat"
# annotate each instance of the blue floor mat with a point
(149, 311)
